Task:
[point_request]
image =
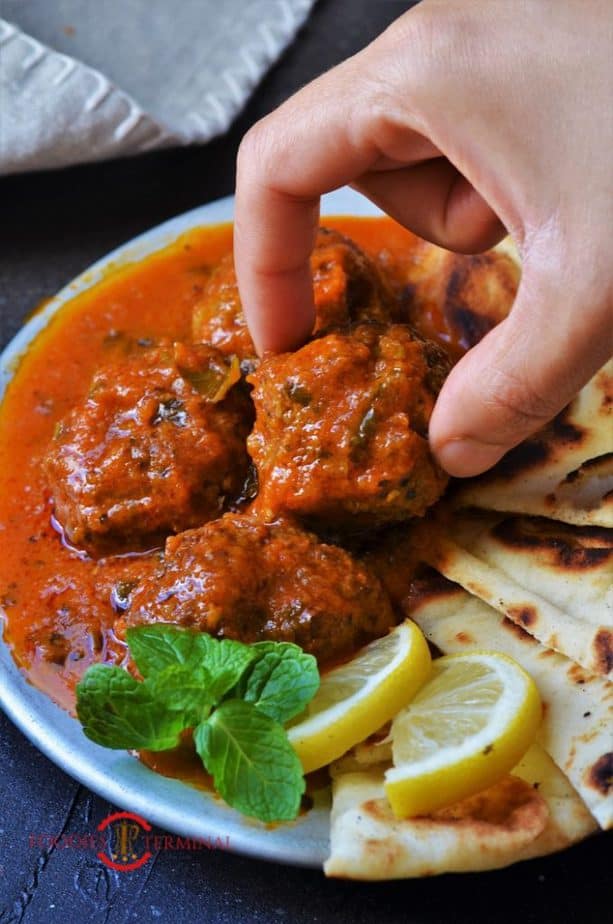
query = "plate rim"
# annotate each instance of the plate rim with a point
(118, 776)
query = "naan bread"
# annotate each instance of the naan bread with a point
(552, 579)
(577, 727)
(565, 471)
(589, 488)
(470, 293)
(531, 813)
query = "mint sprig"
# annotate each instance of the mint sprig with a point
(234, 697)
(241, 745)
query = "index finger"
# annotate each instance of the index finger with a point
(344, 126)
(286, 162)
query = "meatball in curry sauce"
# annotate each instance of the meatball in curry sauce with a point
(243, 579)
(347, 286)
(340, 435)
(193, 483)
(157, 446)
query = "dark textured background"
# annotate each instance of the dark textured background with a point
(53, 225)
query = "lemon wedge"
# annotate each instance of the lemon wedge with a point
(468, 726)
(357, 698)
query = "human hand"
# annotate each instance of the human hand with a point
(463, 119)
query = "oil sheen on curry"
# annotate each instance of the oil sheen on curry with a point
(154, 469)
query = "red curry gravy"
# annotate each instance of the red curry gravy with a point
(60, 605)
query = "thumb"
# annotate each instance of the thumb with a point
(522, 373)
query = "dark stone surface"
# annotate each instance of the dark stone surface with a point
(53, 225)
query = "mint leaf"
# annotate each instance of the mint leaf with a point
(119, 712)
(184, 690)
(226, 661)
(253, 765)
(157, 647)
(282, 680)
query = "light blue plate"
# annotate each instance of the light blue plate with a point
(115, 775)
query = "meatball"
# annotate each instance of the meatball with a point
(239, 578)
(341, 428)
(157, 446)
(347, 286)
(218, 316)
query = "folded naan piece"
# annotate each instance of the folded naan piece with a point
(565, 471)
(533, 812)
(553, 579)
(577, 726)
(464, 294)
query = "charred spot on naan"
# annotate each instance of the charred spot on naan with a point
(458, 298)
(591, 484)
(465, 638)
(603, 650)
(577, 674)
(564, 547)
(510, 803)
(427, 587)
(523, 615)
(518, 631)
(600, 465)
(479, 294)
(511, 808)
(600, 775)
(536, 451)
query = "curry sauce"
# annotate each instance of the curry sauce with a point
(60, 604)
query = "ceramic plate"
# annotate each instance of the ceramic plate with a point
(115, 775)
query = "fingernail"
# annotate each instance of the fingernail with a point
(464, 457)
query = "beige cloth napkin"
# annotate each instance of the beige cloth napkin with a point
(83, 80)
